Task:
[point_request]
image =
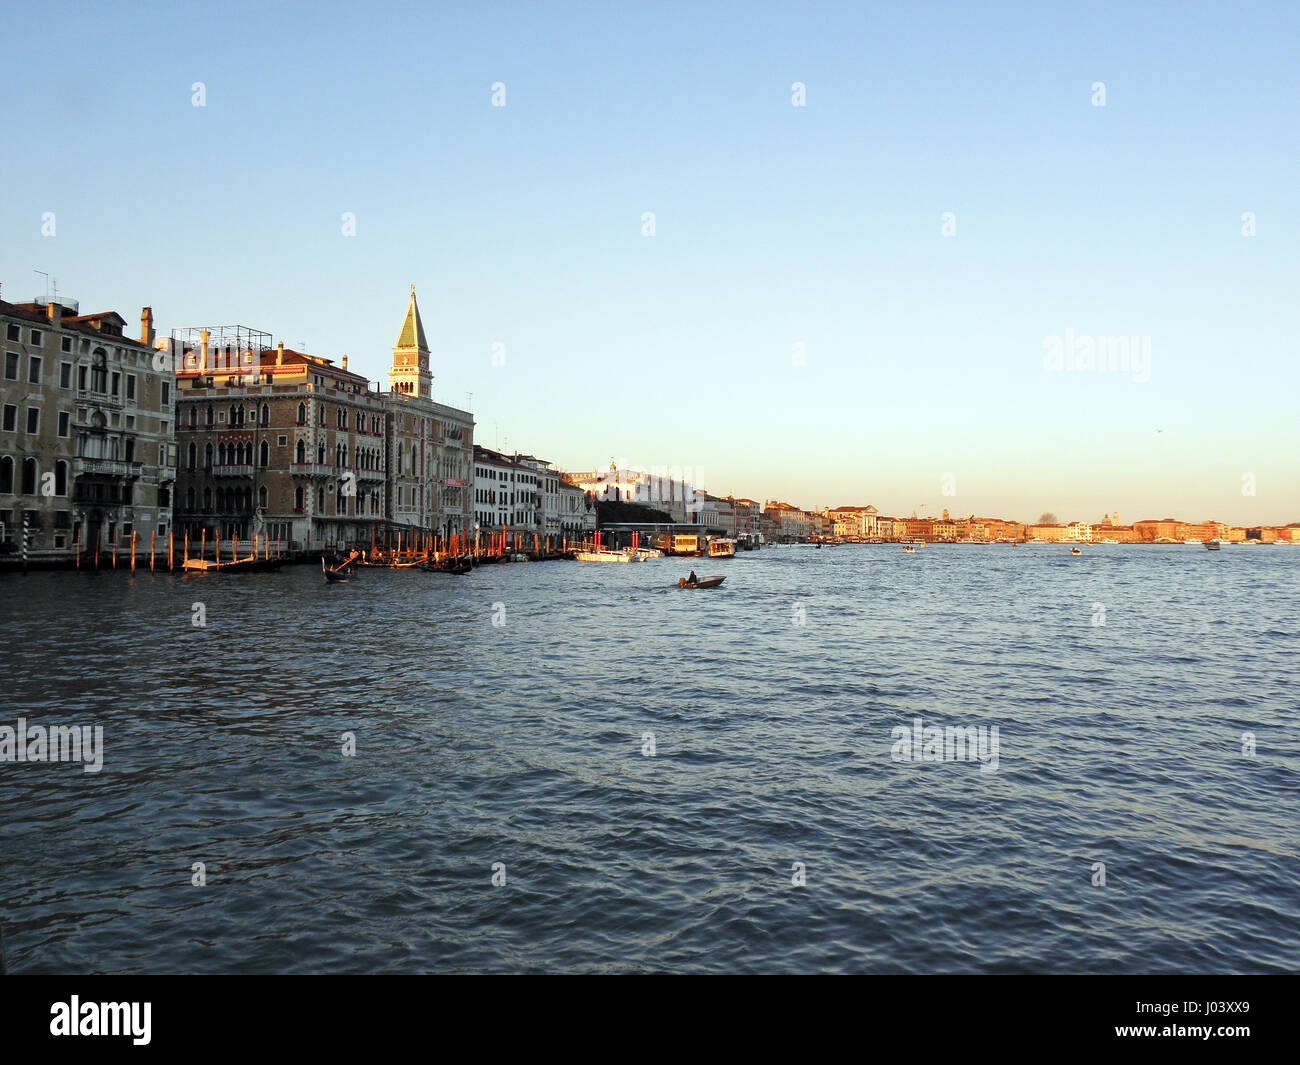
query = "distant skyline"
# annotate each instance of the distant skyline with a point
(799, 326)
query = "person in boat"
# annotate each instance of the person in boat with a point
(692, 579)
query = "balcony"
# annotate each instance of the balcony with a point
(371, 475)
(106, 467)
(244, 470)
(311, 469)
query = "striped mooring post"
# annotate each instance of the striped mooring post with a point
(27, 532)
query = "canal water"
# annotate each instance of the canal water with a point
(696, 781)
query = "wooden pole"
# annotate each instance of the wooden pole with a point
(77, 545)
(170, 537)
(115, 549)
(153, 539)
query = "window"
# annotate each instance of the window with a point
(66, 344)
(130, 386)
(116, 390)
(10, 417)
(36, 338)
(302, 413)
(60, 478)
(30, 477)
(81, 378)
(11, 366)
(264, 454)
(262, 497)
(6, 475)
(65, 375)
(64, 419)
(34, 369)
(192, 456)
(166, 394)
(33, 419)
(12, 332)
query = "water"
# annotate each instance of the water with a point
(522, 744)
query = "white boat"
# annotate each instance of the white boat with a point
(721, 547)
(1212, 545)
(607, 556)
(646, 552)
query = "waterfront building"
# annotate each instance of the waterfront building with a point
(431, 478)
(1164, 529)
(87, 444)
(747, 512)
(275, 443)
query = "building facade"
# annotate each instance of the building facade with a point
(87, 444)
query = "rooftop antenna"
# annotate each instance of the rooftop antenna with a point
(47, 283)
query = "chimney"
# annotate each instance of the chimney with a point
(146, 327)
(55, 312)
(345, 362)
(203, 350)
(279, 354)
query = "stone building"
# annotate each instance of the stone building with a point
(276, 443)
(432, 473)
(87, 452)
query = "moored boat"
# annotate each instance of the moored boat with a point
(1212, 545)
(606, 556)
(721, 547)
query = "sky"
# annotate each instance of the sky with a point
(851, 301)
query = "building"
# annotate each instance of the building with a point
(276, 443)
(432, 461)
(87, 444)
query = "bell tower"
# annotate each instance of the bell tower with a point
(409, 373)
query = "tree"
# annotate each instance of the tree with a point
(1047, 519)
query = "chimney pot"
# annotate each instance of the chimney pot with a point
(203, 350)
(279, 354)
(146, 327)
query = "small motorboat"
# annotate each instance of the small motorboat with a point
(1211, 545)
(1075, 551)
(699, 582)
(909, 549)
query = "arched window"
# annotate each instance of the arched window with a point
(189, 496)
(297, 498)
(60, 478)
(6, 475)
(264, 455)
(194, 415)
(207, 500)
(221, 454)
(320, 452)
(30, 476)
(302, 413)
(207, 457)
(300, 452)
(193, 456)
(211, 415)
(262, 497)
(266, 414)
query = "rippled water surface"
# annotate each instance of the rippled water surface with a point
(522, 744)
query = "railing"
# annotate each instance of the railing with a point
(233, 470)
(310, 469)
(107, 467)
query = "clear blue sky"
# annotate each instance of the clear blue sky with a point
(775, 225)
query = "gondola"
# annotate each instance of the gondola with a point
(333, 576)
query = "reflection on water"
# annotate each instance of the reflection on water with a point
(771, 702)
